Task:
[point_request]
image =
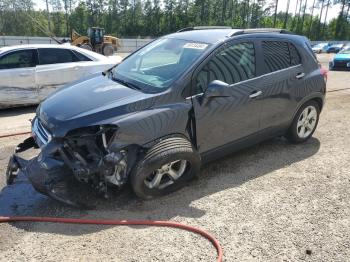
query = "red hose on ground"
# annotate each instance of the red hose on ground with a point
(15, 134)
(120, 223)
(113, 222)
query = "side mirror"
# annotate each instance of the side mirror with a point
(216, 88)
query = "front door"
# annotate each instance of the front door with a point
(17, 78)
(236, 114)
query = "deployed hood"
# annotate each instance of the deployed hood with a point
(90, 102)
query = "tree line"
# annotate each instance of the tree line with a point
(141, 18)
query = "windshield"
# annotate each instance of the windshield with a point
(156, 66)
(345, 51)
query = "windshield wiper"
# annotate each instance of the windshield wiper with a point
(128, 84)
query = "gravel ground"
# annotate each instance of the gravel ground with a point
(271, 202)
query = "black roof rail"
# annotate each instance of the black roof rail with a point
(202, 28)
(261, 30)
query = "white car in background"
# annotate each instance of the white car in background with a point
(29, 73)
(320, 48)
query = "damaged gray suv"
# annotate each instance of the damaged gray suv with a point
(178, 102)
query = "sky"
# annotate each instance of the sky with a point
(333, 10)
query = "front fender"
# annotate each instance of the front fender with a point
(146, 126)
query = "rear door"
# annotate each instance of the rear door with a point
(283, 77)
(235, 115)
(17, 78)
(57, 67)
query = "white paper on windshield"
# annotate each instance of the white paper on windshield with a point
(195, 45)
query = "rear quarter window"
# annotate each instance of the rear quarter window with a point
(309, 49)
(294, 55)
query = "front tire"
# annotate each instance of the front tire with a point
(304, 123)
(166, 167)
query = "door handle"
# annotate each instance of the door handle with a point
(24, 74)
(300, 75)
(76, 68)
(255, 94)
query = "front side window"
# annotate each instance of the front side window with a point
(231, 65)
(156, 66)
(55, 56)
(18, 59)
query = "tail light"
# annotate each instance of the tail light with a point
(324, 72)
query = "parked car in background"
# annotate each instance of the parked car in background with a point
(183, 100)
(341, 60)
(320, 48)
(335, 48)
(347, 45)
(29, 73)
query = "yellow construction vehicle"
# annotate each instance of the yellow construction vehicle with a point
(96, 41)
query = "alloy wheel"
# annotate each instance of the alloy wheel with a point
(307, 122)
(166, 175)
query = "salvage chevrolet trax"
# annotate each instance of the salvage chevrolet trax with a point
(180, 101)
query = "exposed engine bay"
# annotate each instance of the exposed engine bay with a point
(88, 155)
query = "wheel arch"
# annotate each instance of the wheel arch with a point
(319, 101)
(137, 151)
(317, 97)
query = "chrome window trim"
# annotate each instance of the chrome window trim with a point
(199, 94)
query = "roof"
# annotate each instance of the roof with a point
(209, 36)
(92, 55)
(212, 36)
(13, 47)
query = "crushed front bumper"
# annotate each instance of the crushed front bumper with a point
(48, 175)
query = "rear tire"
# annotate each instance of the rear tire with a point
(304, 123)
(166, 167)
(107, 50)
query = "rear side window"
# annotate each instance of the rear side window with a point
(279, 55)
(276, 55)
(232, 64)
(18, 59)
(80, 56)
(55, 56)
